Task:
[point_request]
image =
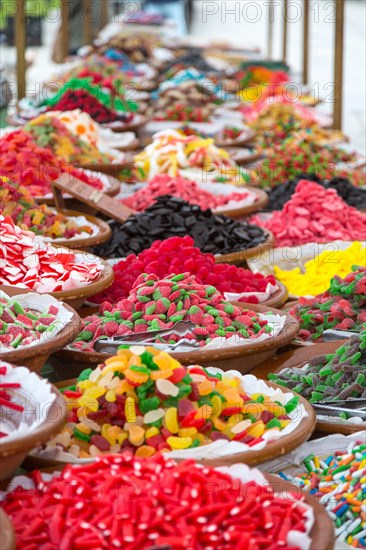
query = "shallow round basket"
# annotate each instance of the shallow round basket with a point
(139, 122)
(329, 427)
(243, 156)
(278, 298)
(84, 243)
(133, 146)
(34, 357)
(246, 136)
(69, 363)
(7, 535)
(239, 257)
(76, 298)
(12, 453)
(259, 204)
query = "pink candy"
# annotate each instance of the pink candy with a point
(28, 263)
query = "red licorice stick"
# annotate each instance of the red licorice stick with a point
(10, 405)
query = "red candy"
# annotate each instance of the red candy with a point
(314, 214)
(124, 502)
(190, 191)
(179, 255)
(34, 167)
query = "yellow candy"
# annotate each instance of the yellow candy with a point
(130, 411)
(145, 451)
(110, 396)
(187, 432)
(219, 424)
(96, 392)
(122, 437)
(235, 419)
(114, 431)
(255, 408)
(164, 361)
(204, 412)
(150, 432)
(317, 272)
(157, 374)
(85, 384)
(84, 454)
(232, 397)
(179, 442)
(106, 435)
(217, 405)
(136, 377)
(89, 402)
(284, 423)
(205, 388)
(257, 429)
(171, 420)
(83, 429)
(136, 435)
(277, 410)
(123, 387)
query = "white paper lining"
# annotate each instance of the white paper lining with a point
(79, 221)
(40, 303)
(218, 448)
(34, 395)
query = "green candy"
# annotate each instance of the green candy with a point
(81, 435)
(150, 404)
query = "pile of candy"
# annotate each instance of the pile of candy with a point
(335, 376)
(6, 399)
(171, 216)
(17, 202)
(24, 162)
(143, 400)
(157, 304)
(48, 131)
(338, 481)
(179, 255)
(20, 326)
(314, 214)
(28, 263)
(186, 189)
(342, 306)
(167, 506)
(352, 195)
(82, 94)
(173, 153)
(317, 273)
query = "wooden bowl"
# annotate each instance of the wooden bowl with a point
(111, 169)
(69, 363)
(34, 357)
(84, 243)
(241, 155)
(76, 298)
(278, 298)
(7, 535)
(13, 452)
(121, 127)
(247, 135)
(259, 204)
(240, 256)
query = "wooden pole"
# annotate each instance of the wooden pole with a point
(305, 59)
(87, 22)
(65, 30)
(338, 65)
(20, 43)
(285, 26)
(270, 29)
(104, 14)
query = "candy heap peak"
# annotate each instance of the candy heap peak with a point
(157, 304)
(342, 306)
(314, 214)
(335, 376)
(169, 506)
(146, 401)
(179, 255)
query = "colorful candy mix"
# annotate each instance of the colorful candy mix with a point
(342, 306)
(314, 214)
(28, 263)
(20, 326)
(157, 304)
(352, 195)
(179, 255)
(317, 273)
(186, 189)
(172, 153)
(338, 481)
(162, 505)
(6, 400)
(145, 401)
(34, 167)
(172, 216)
(17, 202)
(335, 376)
(48, 131)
